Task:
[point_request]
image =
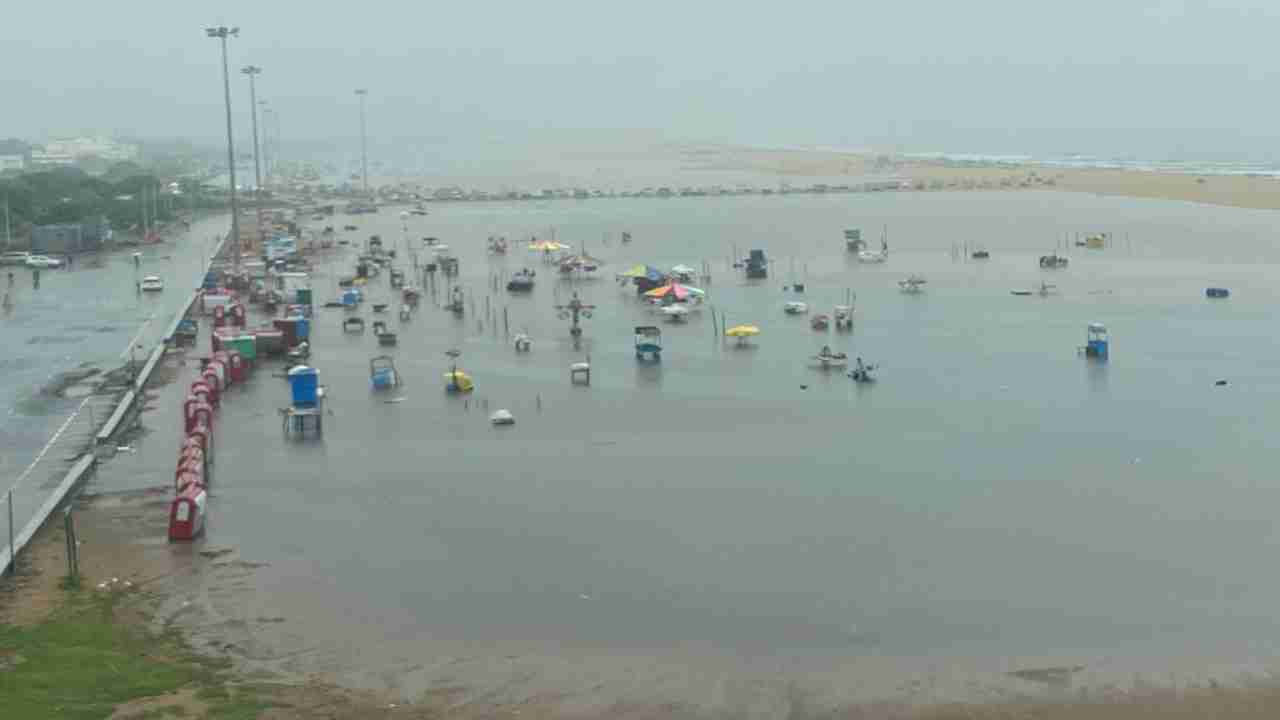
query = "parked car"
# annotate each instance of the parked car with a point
(43, 261)
(14, 258)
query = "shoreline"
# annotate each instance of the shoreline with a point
(1257, 192)
(149, 593)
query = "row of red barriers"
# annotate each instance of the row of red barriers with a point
(191, 475)
(236, 314)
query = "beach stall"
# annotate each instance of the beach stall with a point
(1097, 342)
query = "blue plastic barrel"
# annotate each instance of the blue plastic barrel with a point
(304, 382)
(302, 327)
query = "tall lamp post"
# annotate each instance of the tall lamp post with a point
(253, 71)
(266, 139)
(364, 143)
(222, 33)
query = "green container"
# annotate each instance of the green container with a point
(304, 296)
(246, 345)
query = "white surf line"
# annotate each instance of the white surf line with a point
(49, 445)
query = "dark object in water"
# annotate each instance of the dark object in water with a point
(1214, 292)
(798, 287)
(379, 307)
(1220, 383)
(333, 304)
(1020, 293)
(981, 255)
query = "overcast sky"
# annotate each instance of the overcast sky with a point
(1150, 79)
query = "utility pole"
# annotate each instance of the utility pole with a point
(222, 33)
(364, 142)
(253, 71)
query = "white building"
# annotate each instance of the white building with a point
(83, 147)
(12, 162)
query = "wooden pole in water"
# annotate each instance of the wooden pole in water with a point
(506, 322)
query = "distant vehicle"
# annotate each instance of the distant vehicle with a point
(14, 258)
(152, 283)
(43, 261)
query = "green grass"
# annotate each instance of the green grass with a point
(81, 663)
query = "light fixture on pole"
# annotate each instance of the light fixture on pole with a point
(364, 142)
(222, 33)
(253, 71)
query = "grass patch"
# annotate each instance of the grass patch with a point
(84, 661)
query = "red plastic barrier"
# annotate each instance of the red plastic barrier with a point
(195, 455)
(219, 371)
(187, 512)
(197, 412)
(189, 470)
(210, 378)
(203, 385)
(239, 367)
(204, 435)
(201, 393)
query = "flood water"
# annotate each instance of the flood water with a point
(993, 495)
(88, 314)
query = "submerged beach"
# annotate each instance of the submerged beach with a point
(994, 503)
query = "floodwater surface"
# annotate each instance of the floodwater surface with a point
(993, 495)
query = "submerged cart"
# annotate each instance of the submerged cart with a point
(648, 342)
(382, 373)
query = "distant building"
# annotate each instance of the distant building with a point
(68, 238)
(12, 162)
(83, 147)
(46, 158)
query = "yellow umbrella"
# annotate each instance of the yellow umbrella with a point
(742, 331)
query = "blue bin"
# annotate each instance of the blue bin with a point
(384, 378)
(350, 298)
(304, 382)
(302, 328)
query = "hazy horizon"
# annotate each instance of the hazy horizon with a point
(1171, 79)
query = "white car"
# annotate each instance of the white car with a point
(43, 261)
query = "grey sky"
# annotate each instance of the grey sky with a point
(1148, 78)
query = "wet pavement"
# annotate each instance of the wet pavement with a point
(62, 338)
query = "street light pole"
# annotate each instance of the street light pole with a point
(266, 140)
(364, 142)
(253, 71)
(222, 33)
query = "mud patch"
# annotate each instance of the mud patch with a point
(58, 384)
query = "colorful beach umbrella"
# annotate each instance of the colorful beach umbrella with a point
(742, 331)
(643, 271)
(680, 292)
